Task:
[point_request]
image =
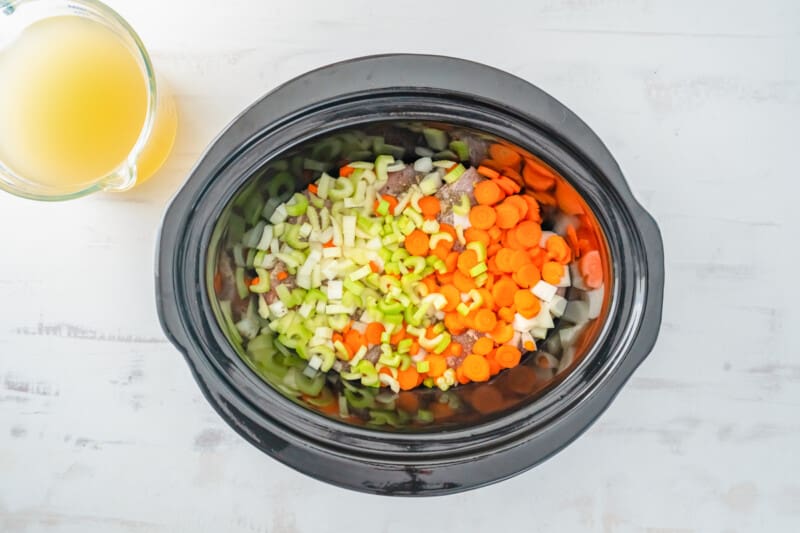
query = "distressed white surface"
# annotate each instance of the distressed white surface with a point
(103, 430)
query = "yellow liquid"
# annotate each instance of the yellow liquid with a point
(73, 105)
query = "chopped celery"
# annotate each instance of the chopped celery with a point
(446, 155)
(251, 211)
(241, 285)
(404, 345)
(463, 207)
(478, 269)
(454, 174)
(262, 285)
(297, 205)
(382, 162)
(227, 314)
(236, 227)
(461, 149)
(251, 238)
(436, 139)
(423, 366)
(281, 184)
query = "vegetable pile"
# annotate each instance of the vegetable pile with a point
(399, 276)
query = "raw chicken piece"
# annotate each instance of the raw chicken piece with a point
(450, 194)
(400, 181)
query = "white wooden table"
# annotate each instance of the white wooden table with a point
(102, 428)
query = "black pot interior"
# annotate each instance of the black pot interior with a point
(422, 409)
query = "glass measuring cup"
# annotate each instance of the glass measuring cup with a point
(82, 109)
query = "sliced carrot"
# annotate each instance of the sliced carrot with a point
(534, 211)
(494, 366)
(488, 193)
(503, 333)
(430, 284)
(469, 320)
(430, 333)
(483, 346)
(414, 349)
(485, 320)
(455, 349)
(537, 176)
(591, 268)
(493, 248)
(218, 282)
(557, 249)
(507, 185)
(477, 235)
(312, 188)
(255, 281)
(511, 174)
(437, 365)
(398, 336)
(451, 261)
(489, 281)
(552, 272)
(345, 171)
(373, 332)
(375, 267)
(466, 261)
(282, 275)
(532, 311)
(507, 216)
(430, 206)
(488, 299)
(503, 292)
(519, 258)
(512, 241)
(491, 264)
(572, 240)
(524, 298)
(504, 156)
(569, 201)
(442, 249)
(507, 356)
(529, 233)
(444, 279)
(484, 170)
(450, 230)
(463, 282)
(482, 216)
(495, 233)
(527, 276)
(517, 201)
(461, 377)
(454, 323)
(452, 295)
(545, 198)
(476, 367)
(504, 259)
(417, 243)
(328, 244)
(506, 313)
(354, 340)
(408, 378)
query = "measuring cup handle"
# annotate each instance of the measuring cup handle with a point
(122, 180)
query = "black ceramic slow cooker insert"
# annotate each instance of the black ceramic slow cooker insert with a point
(426, 441)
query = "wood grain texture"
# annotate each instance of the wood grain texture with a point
(102, 428)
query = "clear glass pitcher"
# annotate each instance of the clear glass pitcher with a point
(81, 109)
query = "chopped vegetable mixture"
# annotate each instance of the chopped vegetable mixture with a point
(426, 274)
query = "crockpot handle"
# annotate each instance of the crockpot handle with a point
(651, 315)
